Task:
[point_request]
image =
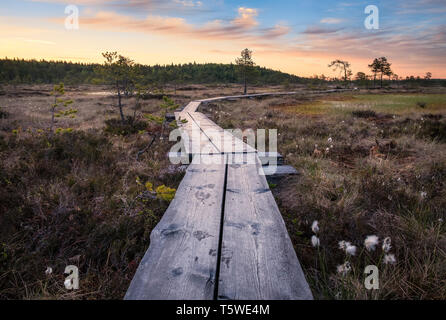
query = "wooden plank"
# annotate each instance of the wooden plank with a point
(192, 106)
(212, 138)
(195, 139)
(267, 158)
(258, 260)
(279, 171)
(223, 140)
(182, 258)
(201, 144)
(185, 129)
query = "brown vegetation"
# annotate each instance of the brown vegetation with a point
(81, 197)
(361, 172)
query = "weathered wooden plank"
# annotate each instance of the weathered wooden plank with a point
(194, 138)
(192, 106)
(182, 258)
(185, 129)
(267, 158)
(206, 137)
(203, 144)
(223, 140)
(279, 171)
(258, 260)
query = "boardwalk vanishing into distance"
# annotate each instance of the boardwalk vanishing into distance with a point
(223, 236)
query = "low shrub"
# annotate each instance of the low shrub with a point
(434, 130)
(364, 113)
(72, 199)
(3, 114)
(115, 126)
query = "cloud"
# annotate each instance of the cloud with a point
(246, 17)
(189, 3)
(77, 2)
(278, 31)
(320, 30)
(110, 20)
(242, 28)
(415, 47)
(331, 20)
(412, 45)
(170, 6)
(409, 46)
(422, 6)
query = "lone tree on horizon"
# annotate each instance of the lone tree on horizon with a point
(245, 65)
(119, 71)
(343, 66)
(382, 66)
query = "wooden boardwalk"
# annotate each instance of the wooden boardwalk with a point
(222, 236)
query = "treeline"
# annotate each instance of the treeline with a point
(19, 71)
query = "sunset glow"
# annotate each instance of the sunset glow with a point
(299, 37)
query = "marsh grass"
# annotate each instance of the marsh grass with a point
(82, 198)
(384, 174)
(399, 104)
(78, 197)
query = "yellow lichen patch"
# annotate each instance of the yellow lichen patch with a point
(149, 186)
(165, 193)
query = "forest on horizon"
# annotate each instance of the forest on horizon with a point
(21, 71)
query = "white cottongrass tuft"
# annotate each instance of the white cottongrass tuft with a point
(343, 244)
(351, 250)
(389, 259)
(315, 241)
(48, 270)
(387, 244)
(370, 242)
(330, 140)
(347, 247)
(315, 226)
(345, 268)
(423, 194)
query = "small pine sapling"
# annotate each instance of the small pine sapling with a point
(158, 123)
(60, 106)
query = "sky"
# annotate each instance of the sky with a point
(296, 36)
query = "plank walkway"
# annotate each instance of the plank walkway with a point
(222, 236)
